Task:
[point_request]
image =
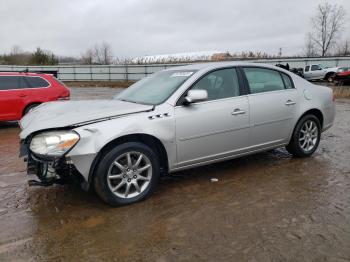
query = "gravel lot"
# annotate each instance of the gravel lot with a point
(265, 207)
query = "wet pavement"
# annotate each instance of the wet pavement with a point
(265, 207)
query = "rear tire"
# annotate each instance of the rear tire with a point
(127, 174)
(306, 137)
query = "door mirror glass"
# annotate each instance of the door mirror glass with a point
(197, 95)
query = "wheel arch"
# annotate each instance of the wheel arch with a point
(328, 74)
(28, 105)
(314, 111)
(149, 140)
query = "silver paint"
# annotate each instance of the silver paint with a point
(192, 135)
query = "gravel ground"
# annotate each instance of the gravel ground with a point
(264, 207)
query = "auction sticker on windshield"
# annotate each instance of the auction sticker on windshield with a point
(182, 74)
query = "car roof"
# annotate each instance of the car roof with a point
(214, 65)
(11, 73)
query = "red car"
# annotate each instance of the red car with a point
(343, 76)
(20, 92)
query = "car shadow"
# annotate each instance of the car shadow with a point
(8, 124)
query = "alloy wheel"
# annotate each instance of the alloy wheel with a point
(129, 174)
(308, 135)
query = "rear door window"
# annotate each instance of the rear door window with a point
(307, 68)
(263, 80)
(10, 82)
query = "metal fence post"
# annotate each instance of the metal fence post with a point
(126, 73)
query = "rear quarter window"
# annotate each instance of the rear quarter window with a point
(35, 82)
(287, 81)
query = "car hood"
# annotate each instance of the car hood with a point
(74, 113)
(332, 69)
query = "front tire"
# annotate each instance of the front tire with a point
(329, 77)
(306, 137)
(127, 174)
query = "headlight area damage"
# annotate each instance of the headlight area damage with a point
(46, 152)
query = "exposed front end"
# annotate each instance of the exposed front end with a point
(46, 157)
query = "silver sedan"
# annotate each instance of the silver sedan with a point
(175, 119)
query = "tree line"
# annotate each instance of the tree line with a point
(38, 57)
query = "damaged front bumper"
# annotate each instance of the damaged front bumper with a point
(53, 170)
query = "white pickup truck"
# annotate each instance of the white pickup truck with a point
(317, 72)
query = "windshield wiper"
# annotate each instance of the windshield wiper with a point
(139, 103)
(125, 100)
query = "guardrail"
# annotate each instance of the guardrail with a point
(136, 72)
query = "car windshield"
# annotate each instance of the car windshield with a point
(155, 89)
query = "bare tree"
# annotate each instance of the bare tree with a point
(344, 48)
(96, 54)
(88, 57)
(327, 24)
(16, 50)
(103, 54)
(310, 50)
(106, 52)
(16, 56)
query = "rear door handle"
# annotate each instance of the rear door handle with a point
(290, 102)
(238, 111)
(22, 95)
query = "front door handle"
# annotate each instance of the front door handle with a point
(290, 102)
(238, 111)
(22, 95)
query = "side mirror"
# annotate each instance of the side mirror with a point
(194, 96)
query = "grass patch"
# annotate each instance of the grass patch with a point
(341, 91)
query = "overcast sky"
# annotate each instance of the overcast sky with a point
(148, 27)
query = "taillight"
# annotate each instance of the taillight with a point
(64, 96)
